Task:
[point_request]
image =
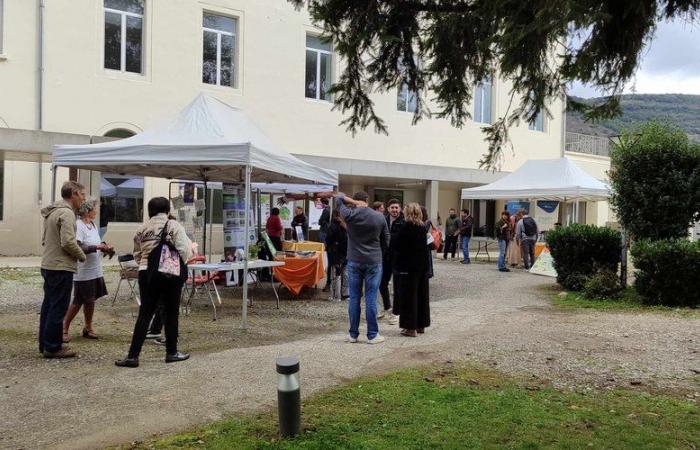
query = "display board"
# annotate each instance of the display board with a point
(514, 206)
(186, 213)
(315, 211)
(233, 200)
(286, 209)
(544, 265)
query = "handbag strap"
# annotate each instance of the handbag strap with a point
(164, 232)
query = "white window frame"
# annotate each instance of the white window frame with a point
(532, 126)
(220, 33)
(319, 52)
(122, 56)
(404, 88)
(479, 90)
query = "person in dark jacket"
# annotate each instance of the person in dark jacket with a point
(451, 233)
(428, 225)
(412, 267)
(394, 221)
(324, 223)
(465, 234)
(300, 221)
(337, 247)
(503, 233)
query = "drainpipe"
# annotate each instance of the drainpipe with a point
(563, 126)
(40, 98)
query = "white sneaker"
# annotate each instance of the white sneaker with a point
(380, 314)
(351, 340)
(378, 339)
(393, 320)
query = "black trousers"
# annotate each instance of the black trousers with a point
(384, 285)
(277, 242)
(412, 300)
(57, 288)
(164, 297)
(450, 245)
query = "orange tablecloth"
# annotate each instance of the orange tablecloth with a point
(539, 247)
(305, 246)
(298, 272)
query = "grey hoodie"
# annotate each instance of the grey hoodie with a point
(61, 250)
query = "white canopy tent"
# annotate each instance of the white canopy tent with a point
(544, 179)
(208, 141)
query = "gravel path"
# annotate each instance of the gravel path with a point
(479, 314)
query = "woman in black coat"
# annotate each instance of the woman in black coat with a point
(411, 259)
(337, 247)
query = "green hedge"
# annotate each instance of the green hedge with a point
(667, 272)
(579, 251)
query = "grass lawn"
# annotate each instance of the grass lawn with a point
(628, 300)
(458, 408)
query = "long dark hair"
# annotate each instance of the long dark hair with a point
(337, 219)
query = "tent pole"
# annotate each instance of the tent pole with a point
(53, 183)
(259, 198)
(211, 221)
(204, 218)
(244, 316)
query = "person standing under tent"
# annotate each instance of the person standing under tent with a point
(465, 234)
(274, 228)
(394, 222)
(527, 233)
(337, 246)
(300, 220)
(412, 273)
(58, 265)
(514, 254)
(503, 233)
(451, 233)
(368, 234)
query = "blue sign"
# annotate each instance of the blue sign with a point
(548, 206)
(513, 207)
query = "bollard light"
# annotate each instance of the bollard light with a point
(288, 396)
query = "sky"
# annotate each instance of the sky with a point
(670, 63)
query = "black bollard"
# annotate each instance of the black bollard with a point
(288, 396)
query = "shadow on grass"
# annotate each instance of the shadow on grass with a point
(452, 407)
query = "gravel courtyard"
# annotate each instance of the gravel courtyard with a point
(479, 315)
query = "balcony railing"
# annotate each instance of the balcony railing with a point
(588, 144)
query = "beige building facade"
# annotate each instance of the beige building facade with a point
(85, 69)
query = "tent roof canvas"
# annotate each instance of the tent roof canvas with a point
(208, 139)
(546, 179)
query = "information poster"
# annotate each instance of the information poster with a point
(514, 206)
(544, 265)
(233, 196)
(286, 210)
(315, 211)
(546, 214)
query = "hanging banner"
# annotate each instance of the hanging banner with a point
(286, 209)
(546, 214)
(315, 211)
(514, 206)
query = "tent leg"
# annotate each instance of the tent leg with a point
(204, 225)
(244, 315)
(53, 183)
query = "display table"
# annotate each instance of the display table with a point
(304, 246)
(210, 283)
(300, 271)
(483, 245)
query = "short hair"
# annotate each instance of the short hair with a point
(299, 207)
(158, 205)
(452, 209)
(87, 206)
(465, 211)
(361, 196)
(275, 211)
(377, 205)
(413, 213)
(71, 187)
(393, 201)
(324, 201)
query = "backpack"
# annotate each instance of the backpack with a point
(529, 226)
(165, 265)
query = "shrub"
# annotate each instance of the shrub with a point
(602, 284)
(580, 250)
(655, 180)
(667, 272)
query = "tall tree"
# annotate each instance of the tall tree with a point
(443, 47)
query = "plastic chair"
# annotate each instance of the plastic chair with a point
(128, 273)
(195, 282)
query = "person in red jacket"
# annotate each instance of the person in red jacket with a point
(275, 229)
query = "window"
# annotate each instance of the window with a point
(406, 100)
(482, 101)
(538, 123)
(121, 199)
(123, 35)
(318, 68)
(218, 55)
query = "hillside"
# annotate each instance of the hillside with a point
(682, 110)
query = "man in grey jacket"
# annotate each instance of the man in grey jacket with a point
(367, 236)
(58, 265)
(526, 232)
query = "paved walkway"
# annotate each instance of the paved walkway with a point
(501, 320)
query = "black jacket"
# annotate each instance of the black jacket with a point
(336, 244)
(393, 232)
(325, 220)
(300, 221)
(466, 227)
(410, 249)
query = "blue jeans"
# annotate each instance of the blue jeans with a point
(368, 276)
(502, 246)
(58, 285)
(464, 241)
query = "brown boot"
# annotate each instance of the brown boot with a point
(409, 333)
(65, 352)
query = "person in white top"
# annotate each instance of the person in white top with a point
(88, 282)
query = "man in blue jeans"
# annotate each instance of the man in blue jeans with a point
(465, 234)
(367, 236)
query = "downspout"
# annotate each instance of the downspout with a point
(563, 126)
(40, 99)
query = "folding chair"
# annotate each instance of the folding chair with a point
(194, 282)
(128, 273)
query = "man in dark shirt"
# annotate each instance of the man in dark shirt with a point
(367, 236)
(300, 221)
(394, 222)
(465, 234)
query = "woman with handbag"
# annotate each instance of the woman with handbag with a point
(161, 248)
(337, 246)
